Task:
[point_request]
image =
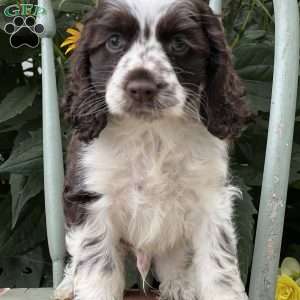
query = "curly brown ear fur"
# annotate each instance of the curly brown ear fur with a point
(77, 103)
(225, 112)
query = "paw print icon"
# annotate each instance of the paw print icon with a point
(24, 32)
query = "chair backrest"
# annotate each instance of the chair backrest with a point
(278, 156)
(216, 6)
(53, 156)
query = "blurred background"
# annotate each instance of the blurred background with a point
(24, 257)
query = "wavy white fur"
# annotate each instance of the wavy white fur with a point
(166, 189)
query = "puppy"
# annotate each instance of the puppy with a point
(154, 103)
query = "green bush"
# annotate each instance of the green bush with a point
(24, 257)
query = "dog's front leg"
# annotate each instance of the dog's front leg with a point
(99, 269)
(174, 271)
(216, 264)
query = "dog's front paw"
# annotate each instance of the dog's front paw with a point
(177, 290)
(64, 290)
(98, 288)
(61, 294)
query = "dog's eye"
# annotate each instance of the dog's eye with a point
(178, 46)
(116, 43)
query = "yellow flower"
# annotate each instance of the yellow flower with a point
(72, 40)
(287, 289)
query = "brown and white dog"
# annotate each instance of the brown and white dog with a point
(154, 103)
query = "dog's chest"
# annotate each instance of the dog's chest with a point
(152, 178)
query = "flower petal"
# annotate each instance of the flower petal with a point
(67, 42)
(73, 31)
(71, 48)
(287, 289)
(290, 267)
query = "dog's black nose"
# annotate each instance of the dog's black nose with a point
(142, 89)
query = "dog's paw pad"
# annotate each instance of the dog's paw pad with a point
(24, 32)
(63, 294)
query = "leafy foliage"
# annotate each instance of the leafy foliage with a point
(24, 258)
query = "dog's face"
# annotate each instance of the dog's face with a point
(152, 59)
(152, 51)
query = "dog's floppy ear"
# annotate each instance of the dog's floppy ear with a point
(80, 92)
(225, 111)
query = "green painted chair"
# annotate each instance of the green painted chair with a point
(277, 164)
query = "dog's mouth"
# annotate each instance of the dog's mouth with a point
(144, 109)
(149, 109)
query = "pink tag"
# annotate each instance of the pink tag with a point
(143, 264)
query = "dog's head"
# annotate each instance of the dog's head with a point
(153, 59)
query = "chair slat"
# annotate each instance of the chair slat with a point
(28, 294)
(47, 294)
(278, 154)
(216, 6)
(53, 156)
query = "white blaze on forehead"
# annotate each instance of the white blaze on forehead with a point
(148, 10)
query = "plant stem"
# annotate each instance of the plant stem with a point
(262, 5)
(244, 26)
(59, 53)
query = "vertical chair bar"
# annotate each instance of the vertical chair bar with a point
(278, 154)
(216, 6)
(53, 157)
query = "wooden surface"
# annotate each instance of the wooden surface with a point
(47, 294)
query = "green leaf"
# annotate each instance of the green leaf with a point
(259, 94)
(16, 102)
(16, 182)
(12, 74)
(29, 232)
(22, 271)
(250, 156)
(290, 267)
(244, 221)
(295, 164)
(73, 5)
(11, 55)
(255, 61)
(7, 2)
(294, 249)
(254, 34)
(265, 9)
(5, 220)
(26, 157)
(27, 118)
(23, 188)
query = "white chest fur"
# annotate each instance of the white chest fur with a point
(156, 178)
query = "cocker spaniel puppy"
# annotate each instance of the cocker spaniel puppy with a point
(154, 103)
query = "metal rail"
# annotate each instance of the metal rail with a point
(53, 156)
(216, 6)
(278, 154)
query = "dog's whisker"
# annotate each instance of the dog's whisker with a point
(95, 112)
